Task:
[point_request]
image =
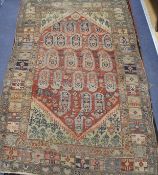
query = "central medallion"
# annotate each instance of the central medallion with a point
(75, 76)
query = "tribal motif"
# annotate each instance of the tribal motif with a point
(75, 99)
(76, 79)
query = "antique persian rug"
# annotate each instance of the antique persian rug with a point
(75, 98)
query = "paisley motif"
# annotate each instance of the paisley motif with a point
(88, 60)
(67, 82)
(110, 82)
(70, 27)
(49, 40)
(93, 41)
(85, 27)
(107, 42)
(44, 77)
(61, 41)
(65, 99)
(79, 124)
(78, 81)
(41, 59)
(56, 79)
(71, 61)
(76, 41)
(99, 104)
(56, 27)
(92, 81)
(86, 102)
(52, 59)
(105, 61)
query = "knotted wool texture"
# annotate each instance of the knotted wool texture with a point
(75, 98)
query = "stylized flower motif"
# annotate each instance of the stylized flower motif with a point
(127, 165)
(141, 165)
(37, 156)
(13, 126)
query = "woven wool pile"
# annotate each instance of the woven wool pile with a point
(75, 98)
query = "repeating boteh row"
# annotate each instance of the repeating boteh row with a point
(77, 81)
(86, 61)
(77, 41)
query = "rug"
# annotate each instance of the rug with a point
(75, 98)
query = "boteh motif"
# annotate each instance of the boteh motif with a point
(76, 62)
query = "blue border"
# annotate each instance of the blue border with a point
(8, 15)
(148, 52)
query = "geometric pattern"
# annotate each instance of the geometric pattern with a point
(75, 74)
(75, 99)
